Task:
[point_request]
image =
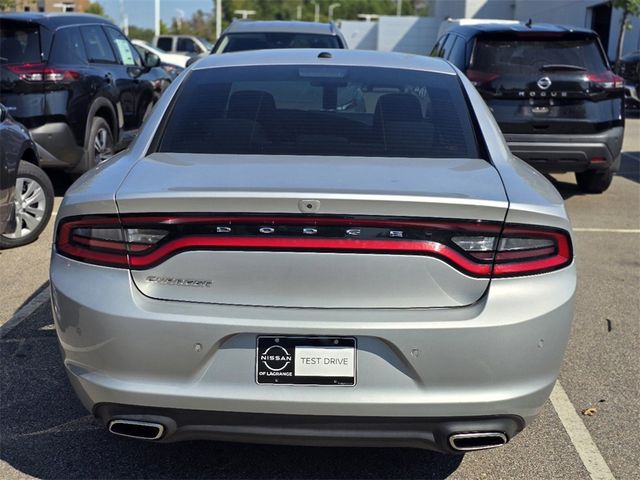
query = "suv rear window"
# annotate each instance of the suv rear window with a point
(526, 56)
(237, 42)
(320, 110)
(19, 43)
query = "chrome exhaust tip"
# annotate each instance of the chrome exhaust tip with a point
(466, 442)
(137, 429)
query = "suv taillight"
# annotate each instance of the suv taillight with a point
(39, 72)
(476, 248)
(479, 78)
(606, 80)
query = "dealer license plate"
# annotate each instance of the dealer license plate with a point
(306, 360)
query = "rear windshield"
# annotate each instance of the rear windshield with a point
(320, 110)
(237, 42)
(530, 56)
(19, 43)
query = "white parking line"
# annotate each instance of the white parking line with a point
(608, 230)
(579, 435)
(24, 313)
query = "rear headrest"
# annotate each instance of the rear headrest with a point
(251, 105)
(397, 107)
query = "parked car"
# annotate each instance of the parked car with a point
(339, 246)
(166, 59)
(26, 193)
(160, 76)
(183, 44)
(552, 91)
(630, 71)
(244, 35)
(74, 81)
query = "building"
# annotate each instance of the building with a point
(418, 34)
(51, 5)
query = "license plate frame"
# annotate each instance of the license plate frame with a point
(277, 357)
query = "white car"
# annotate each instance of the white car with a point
(172, 58)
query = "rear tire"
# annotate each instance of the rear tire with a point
(594, 181)
(101, 144)
(34, 203)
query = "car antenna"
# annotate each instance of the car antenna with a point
(528, 24)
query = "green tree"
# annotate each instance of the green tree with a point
(138, 33)
(96, 8)
(7, 5)
(629, 8)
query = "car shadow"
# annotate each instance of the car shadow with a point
(61, 181)
(566, 189)
(46, 433)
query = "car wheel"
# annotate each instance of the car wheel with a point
(101, 144)
(34, 202)
(594, 181)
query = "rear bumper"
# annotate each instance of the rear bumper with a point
(57, 145)
(568, 153)
(417, 432)
(492, 359)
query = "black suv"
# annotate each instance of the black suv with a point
(551, 90)
(74, 82)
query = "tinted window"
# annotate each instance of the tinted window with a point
(165, 43)
(436, 48)
(126, 53)
(446, 47)
(313, 110)
(457, 54)
(68, 47)
(237, 42)
(96, 45)
(527, 56)
(19, 43)
(186, 45)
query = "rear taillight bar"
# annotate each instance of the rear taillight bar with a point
(476, 248)
(40, 72)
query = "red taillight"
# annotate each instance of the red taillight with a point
(476, 248)
(606, 80)
(479, 78)
(39, 72)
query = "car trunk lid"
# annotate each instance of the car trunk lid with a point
(306, 231)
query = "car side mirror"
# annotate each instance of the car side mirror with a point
(151, 60)
(3, 113)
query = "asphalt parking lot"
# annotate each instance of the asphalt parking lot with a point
(46, 433)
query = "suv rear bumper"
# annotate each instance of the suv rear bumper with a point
(57, 145)
(322, 430)
(567, 152)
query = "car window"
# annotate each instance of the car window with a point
(127, 55)
(186, 45)
(435, 51)
(527, 56)
(19, 43)
(165, 43)
(458, 52)
(446, 47)
(320, 110)
(96, 45)
(68, 47)
(236, 42)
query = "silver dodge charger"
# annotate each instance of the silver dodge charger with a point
(321, 247)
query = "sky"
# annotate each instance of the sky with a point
(141, 12)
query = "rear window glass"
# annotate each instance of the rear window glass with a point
(68, 47)
(236, 42)
(164, 43)
(19, 43)
(529, 56)
(320, 110)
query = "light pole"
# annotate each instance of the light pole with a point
(317, 14)
(245, 13)
(331, 8)
(157, 22)
(218, 18)
(399, 8)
